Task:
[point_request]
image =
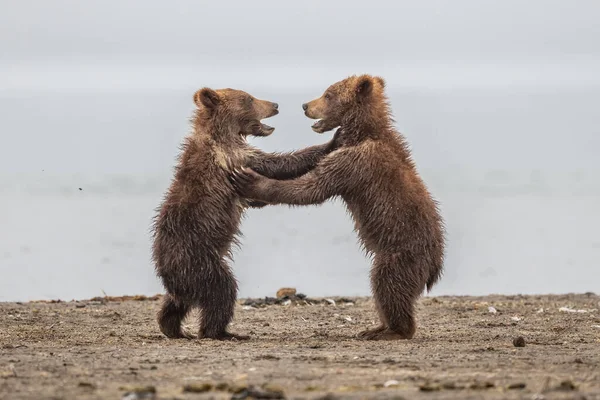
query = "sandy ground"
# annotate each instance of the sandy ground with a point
(111, 348)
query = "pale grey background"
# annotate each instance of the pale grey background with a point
(498, 99)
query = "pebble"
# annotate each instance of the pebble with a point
(429, 387)
(482, 385)
(571, 310)
(139, 393)
(197, 387)
(518, 385)
(391, 382)
(285, 292)
(519, 341)
(566, 386)
(492, 310)
(266, 392)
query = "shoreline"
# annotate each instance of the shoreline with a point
(493, 346)
(243, 300)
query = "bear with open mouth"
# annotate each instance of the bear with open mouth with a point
(199, 218)
(396, 218)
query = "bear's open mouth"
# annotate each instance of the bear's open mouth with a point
(319, 126)
(266, 129)
(259, 129)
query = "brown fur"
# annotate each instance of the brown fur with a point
(200, 216)
(396, 218)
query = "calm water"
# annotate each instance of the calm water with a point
(517, 173)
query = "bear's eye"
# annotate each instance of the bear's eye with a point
(327, 96)
(249, 100)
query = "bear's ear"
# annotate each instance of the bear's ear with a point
(364, 86)
(380, 81)
(206, 97)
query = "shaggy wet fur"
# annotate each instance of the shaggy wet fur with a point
(199, 219)
(396, 218)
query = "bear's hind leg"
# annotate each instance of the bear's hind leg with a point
(217, 301)
(170, 316)
(396, 285)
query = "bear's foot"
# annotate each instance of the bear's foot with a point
(381, 333)
(225, 336)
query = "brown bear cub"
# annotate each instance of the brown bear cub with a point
(200, 215)
(371, 169)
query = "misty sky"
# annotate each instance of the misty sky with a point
(133, 44)
(63, 60)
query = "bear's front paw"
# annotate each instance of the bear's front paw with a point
(244, 180)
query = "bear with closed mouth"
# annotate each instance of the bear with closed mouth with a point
(371, 169)
(199, 218)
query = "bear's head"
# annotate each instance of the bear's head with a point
(234, 111)
(345, 99)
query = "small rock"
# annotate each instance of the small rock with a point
(285, 292)
(566, 386)
(541, 310)
(516, 319)
(571, 310)
(79, 305)
(237, 388)
(139, 396)
(8, 374)
(391, 382)
(348, 318)
(449, 386)
(272, 388)
(138, 392)
(429, 387)
(331, 301)
(578, 361)
(197, 387)
(481, 385)
(222, 387)
(329, 396)
(519, 341)
(286, 302)
(492, 310)
(139, 389)
(267, 357)
(88, 385)
(267, 392)
(518, 385)
(248, 308)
